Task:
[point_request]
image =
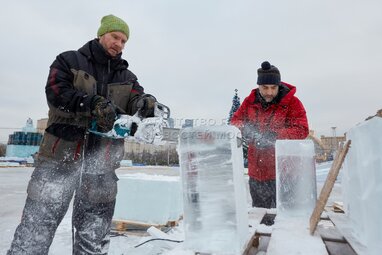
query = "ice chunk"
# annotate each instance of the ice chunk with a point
(150, 130)
(22, 151)
(214, 198)
(148, 198)
(295, 177)
(362, 183)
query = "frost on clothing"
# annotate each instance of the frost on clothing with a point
(72, 163)
(285, 118)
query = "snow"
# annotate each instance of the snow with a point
(15, 161)
(290, 235)
(13, 182)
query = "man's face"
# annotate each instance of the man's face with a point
(113, 42)
(268, 91)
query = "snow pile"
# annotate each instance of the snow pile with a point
(290, 235)
(7, 164)
(15, 161)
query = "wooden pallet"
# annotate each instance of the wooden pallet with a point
(335, 242)
(135, 226)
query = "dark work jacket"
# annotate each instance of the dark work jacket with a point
(75, 77)
(286, 117)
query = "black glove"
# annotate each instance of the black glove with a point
(104, 112)
(266, 140)
(250, 133)
(146, 106)
(261, 140)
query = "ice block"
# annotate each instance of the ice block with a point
(151, 199)
(214, 197)
(296, 190)
(362, 183)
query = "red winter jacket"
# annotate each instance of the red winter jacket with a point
(287, 118)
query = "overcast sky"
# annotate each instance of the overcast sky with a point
(192, 55)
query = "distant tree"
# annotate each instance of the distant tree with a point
(160, 157)
(173, 157)
(3, 148)
(235, 106)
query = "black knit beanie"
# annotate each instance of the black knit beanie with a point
(268, 74)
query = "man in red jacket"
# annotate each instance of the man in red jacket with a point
(270, 112)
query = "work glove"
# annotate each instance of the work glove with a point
(104, 112)
(261, 140)
(266, 140)
(250, 133)
(146, 106)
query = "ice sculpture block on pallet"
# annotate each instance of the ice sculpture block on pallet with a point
(362, 184)
(214, 198)
(151, 199)
(295, 177)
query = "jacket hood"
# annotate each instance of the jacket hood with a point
(95, 52)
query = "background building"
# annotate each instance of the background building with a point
(188, 123)
(327, 146)
(42, 125)
(24, 144)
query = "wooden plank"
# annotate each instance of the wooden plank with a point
(125, 225)
(336, 248)
(258, 243)
(338, 207)
(253, 242)
(328, 186)
(263, 233)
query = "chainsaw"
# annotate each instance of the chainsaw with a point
(143, 130)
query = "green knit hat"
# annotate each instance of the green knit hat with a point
(111, 23)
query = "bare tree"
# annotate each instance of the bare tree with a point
(3, 148)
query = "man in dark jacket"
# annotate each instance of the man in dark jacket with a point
(91, 85)
(270, 112)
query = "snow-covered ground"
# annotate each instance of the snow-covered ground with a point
(13, 182)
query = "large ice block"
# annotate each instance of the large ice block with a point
(214, 198)
(296, 187)
(362, 183)
(147, 198)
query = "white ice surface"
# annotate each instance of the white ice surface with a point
(153, 199)
(291, 236)
(13, 183)
(362, 182)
